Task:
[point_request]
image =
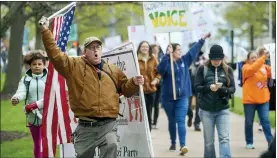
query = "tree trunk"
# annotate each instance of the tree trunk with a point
(15, 60)
(39, 44)
(10, 17)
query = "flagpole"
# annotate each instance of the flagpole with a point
(60, 11)
(172, 72)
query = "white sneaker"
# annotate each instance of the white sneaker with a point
(184, 150)
(260, 128)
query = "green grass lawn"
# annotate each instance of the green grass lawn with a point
(14, 119)
(3, 78)
(238, 108)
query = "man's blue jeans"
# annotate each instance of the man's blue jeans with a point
(176, 112)
(220, 120)
(263, 112)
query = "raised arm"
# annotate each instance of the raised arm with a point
(62, 62)
(250, 70)
(268, 70)
(194, 51)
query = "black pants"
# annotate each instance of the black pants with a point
(156, 105)
(190, 113)
(149, 101)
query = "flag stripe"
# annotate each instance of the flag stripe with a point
(48, 87)
(51, 117)
(56, 127)
(60, 113)
(49, 102)
(65, 109)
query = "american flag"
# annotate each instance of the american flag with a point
(57, 116)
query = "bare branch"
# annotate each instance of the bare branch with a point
(9, 17)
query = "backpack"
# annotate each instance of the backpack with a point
(27, 85)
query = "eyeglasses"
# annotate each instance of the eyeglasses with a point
(94, 47)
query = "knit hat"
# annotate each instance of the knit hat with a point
(216, 53)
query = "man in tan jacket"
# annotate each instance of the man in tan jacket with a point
(94, 88)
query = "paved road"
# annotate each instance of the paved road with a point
(195, 140)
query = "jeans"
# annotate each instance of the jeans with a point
(190, 113)
(220, 120)
(149, 101)
(36, 135)
(156, 105)
(176, 112)
(87, 138)
(263, 112)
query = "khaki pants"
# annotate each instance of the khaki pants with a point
(87, 138)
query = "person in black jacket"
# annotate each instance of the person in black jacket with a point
(214, 83)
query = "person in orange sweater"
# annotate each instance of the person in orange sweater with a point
(256, 95)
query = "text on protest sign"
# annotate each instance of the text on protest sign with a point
(166, 16)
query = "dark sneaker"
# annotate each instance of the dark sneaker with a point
(197, 128)
(189, 122)
(184, 150)
(172, 147)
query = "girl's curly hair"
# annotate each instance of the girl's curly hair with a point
(35, 55)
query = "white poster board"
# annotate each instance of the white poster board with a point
(133, 135)
(137, 33)
(112, 42)
(202, 23)
(161, 17)
(271, 48)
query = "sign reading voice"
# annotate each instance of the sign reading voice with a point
(161, 17)
(168, 18)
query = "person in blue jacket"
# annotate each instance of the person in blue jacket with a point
(176, 110)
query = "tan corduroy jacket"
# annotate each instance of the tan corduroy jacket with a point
(89, 96)
(149, 71)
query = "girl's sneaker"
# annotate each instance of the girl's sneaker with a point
(250, 146)
(184, 150)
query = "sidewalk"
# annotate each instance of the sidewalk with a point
(195, 140)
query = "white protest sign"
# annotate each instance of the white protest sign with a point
(202, 23)
(271, 48)
(161, 17)
(137, 33)
(133, 133)
(112, 41)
